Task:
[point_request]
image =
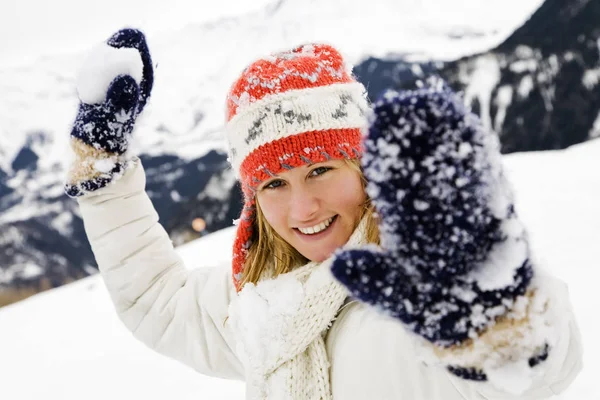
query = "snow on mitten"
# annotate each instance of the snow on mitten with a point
(113, 86)
(454, 260)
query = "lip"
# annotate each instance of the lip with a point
(317, 236)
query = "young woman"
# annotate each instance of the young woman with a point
(376, 257)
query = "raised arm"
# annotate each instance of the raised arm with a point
(178, 312)
(455, 265)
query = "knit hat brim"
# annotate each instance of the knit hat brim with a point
(287, 114)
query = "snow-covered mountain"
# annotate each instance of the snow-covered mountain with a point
(70, 342)
(179, 135)
(539, 88)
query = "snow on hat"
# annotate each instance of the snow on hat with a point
(293, 108)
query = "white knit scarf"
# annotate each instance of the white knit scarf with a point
(280, 326)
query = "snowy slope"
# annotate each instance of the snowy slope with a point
(71, 344)
(65, 26)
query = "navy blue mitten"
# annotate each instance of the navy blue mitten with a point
(114, 86)
(454, 257)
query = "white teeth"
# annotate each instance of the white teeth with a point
(317, 228)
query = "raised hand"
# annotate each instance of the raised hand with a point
(114, 86)
(454, 256)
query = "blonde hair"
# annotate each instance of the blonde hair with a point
(269, 250)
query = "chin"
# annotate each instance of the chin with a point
(321, 256)
(317, 258)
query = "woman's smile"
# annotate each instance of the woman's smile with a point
(318, 231)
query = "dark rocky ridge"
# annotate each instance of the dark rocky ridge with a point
(544, 92)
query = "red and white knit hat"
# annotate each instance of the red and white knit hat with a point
(293, 108)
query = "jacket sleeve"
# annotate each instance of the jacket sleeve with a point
(178, 312)
(375, 357)
(553, 373)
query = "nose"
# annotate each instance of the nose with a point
(304, 204)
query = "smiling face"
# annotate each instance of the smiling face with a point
(315, 208)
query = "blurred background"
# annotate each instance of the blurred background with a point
(529, 68)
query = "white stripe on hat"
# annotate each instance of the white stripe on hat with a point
(276, 116)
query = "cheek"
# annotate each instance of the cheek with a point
(348, 195)
(360, 196)
(273, 211)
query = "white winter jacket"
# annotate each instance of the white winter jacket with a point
(183, 314)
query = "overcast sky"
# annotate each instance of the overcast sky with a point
(30, 28)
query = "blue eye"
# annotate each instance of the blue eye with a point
(273, 184)
(319, 171)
